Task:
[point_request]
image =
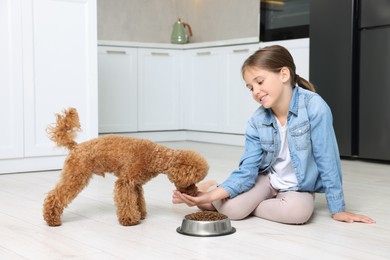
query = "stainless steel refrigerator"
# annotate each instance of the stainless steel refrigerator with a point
(350, 65)
(374, 101)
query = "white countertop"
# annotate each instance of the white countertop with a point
(180, 46)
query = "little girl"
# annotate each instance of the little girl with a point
(290, 151)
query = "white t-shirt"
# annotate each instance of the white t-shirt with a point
(282, 173)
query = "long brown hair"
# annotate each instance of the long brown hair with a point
(274, 58)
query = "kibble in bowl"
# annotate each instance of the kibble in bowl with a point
(206, 216)
(206, 224)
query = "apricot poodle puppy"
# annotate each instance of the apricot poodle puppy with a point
(134, 161)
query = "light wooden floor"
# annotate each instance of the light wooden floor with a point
(90, 229)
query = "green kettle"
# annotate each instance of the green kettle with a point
(181, 32)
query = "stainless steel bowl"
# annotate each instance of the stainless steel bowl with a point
(206, 228)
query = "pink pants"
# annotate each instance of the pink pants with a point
(263, 201)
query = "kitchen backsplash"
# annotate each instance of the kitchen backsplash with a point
(152, 20)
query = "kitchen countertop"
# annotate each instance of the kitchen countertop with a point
(180, 46)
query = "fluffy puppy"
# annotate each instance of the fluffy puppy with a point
(134, 161)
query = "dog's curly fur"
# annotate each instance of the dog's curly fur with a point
(134, 161)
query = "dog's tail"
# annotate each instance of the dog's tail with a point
(64, 132)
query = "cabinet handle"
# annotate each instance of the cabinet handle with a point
(115, 52)
(160, 53)
(204, 53)
(240, 50)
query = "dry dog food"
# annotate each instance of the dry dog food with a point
(206, 216)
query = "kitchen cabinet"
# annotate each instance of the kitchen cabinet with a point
(158, 89)
(218, 100)
(11, 82)
(139, 89)
(197, 89)
(50, 65)
(204, 83)
(118, 89)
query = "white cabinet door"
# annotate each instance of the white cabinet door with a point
(118, 95)
(11, 82)
(48, 64)
(59, 58)
(158, 89)
(240, 105)
(217, 99)
(205, 85)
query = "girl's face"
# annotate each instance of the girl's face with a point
(268, 88)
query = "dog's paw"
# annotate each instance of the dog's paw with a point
(52, 217)
(52, 221)
(128, 222)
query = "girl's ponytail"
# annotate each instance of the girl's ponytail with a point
(303, 83)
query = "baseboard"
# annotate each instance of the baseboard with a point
(190, 135)
(31, 164)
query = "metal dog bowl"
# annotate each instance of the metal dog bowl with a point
(206, 228)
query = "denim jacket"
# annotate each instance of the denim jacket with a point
(312, 144)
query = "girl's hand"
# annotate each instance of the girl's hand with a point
(201, 198)
(202, 188)
(351, 217)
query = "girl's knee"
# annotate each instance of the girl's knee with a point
(300, 214)
(301, 218)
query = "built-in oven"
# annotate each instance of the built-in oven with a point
(284, 19)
